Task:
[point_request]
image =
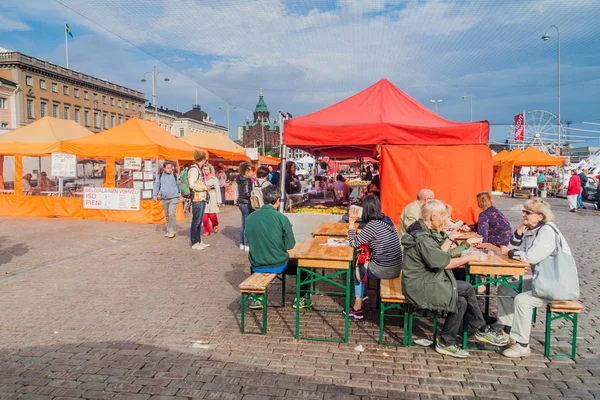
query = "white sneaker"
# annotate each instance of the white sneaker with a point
(205, 245)
(242, 247)
(198, 246)
(517, 351)
(247, 248)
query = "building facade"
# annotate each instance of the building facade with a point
(296, 154)
(47, 89)
(180, 124)
(8, 116)
(577, 154)
(261, 127)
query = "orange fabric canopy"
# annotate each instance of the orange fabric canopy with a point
(41, 137)
(533, 157)
(268, 160)
(500, 156)
(218, 146)
(134, 138)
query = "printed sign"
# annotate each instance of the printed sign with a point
(64, 165)
(252, 153)
(519, 127)
(111, 199)
(134, 163)
(148, 176)
(148, 166)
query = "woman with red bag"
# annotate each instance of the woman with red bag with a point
(380, 256)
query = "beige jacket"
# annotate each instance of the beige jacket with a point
(410, 214)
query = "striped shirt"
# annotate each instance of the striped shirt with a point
(383, 242)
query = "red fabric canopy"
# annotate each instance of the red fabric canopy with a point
(381, 114)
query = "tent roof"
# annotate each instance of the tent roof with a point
(134, 138)
(498, 158)
(41, 137)
(214, 140)
(533, 157)
(380, 114)
(268, 160)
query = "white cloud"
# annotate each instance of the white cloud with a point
(8, 24)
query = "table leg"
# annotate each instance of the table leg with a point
(297, 300)
(487, 299)
(347, 305)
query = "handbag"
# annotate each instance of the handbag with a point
(555, 277)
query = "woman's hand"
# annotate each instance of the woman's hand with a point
(465, 228)
(521, 229)
(475, 242)
(504, 250)
(454, 234)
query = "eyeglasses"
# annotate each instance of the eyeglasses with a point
(527, 212)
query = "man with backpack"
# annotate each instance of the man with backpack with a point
(256, 196)
(166, 187)
(199, 198)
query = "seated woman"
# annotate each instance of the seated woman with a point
(340, 186)
(492, 226)
(381, 237)
(428, 282)
(533, 241)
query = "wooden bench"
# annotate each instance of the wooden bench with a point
(255, 288)
(391, 298)
(557, 310)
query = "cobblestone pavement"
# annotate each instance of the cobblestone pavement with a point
(103, 310)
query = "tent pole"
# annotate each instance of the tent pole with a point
(282, 155)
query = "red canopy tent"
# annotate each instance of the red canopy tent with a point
(418, 148)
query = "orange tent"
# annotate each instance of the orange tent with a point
(218, 145)
(418, 148)
(268, 160)
(503, 169)
(41, 138)
(500, 156)
(533, 157)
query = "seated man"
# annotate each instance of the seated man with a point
(269, 234)
(428, 282)
(412, 212)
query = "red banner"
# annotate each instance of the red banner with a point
(519, 127)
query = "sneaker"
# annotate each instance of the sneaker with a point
(356, 314)
(246, 248)
(242, 247)
(572, 210)
(452, 351)
(256, 304)
(492, 336)
(516, 351)
(204, 245)
(304, 303)
(170, 235)
(595, 206)
(200, 246)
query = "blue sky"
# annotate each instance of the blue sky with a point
(312, 53)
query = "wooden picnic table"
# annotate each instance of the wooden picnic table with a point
(467, 235)
(331, 229)
(323, 263)
(495, 269)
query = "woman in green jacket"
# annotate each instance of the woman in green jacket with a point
(428, 282)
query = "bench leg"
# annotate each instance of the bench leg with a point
(548, 331)
(406, 325)
(435, 326)
(264, 313)
(282, 290)
(574, 340)
(244, 298)
(381, 322)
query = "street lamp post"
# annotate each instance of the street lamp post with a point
(154, 96)
(470, 100)
(546, 37)
(436, 103)
(227, 111)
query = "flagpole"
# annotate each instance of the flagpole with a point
(66, 45)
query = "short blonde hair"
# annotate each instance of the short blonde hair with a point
(484, 200)
(434, 206)
(541, 207)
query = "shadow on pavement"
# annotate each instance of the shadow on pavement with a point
(8, 253)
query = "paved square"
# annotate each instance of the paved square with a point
(104, 310)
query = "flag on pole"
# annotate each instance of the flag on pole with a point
(519, 120)
(68, 30)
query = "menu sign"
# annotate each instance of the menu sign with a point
(64, 165)
(111, 199)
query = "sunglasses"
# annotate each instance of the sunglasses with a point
(527, 212)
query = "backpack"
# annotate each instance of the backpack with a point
(184, 185)
(256, 195)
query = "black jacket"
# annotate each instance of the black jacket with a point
(244, 185)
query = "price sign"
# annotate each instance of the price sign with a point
(64, 165)
(111, 199)
(133, 163)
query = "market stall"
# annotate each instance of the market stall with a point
(502, 179)
(268, 160)
(532, 157)
(221, 149)
(417, 147)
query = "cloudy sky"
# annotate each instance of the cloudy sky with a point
(307, 54)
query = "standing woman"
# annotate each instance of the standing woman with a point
(244, 185)
(574, 190)
(492, 225)
(214, 200)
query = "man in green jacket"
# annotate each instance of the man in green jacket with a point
(428, 282)
(270, 236)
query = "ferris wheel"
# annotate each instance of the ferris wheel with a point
(541, 131)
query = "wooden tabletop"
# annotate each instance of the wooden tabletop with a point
(332, 229)
(498, 259)
(468, 235)
(315, 253)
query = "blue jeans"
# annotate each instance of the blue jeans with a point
(246, 210)
(580, 200)
(359, 287)
(197, 216)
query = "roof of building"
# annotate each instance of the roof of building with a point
(261, 106)
(7, 82)
(197, 113)
(270, 125)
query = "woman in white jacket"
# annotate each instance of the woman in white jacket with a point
(214, 201)
(533, 241)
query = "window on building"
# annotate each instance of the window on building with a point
(112, 121)
(67, 113)
(119, 102)
(4, 125)
(77, 111)
(29, 80)
(30, 108)
(43, 84)
(181, 132)
(54, 87)
(96, 96)
(3, 103)
(43, 109)
(103, 99)
(96, 120)
(65, 90)
(120, 120)
(105, 121)
(76, 93)
(127, 105)
(85, 95)
(127, 118)
(112, 101)
(55, 110)
(86, 117)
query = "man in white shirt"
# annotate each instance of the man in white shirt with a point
(222, 177)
